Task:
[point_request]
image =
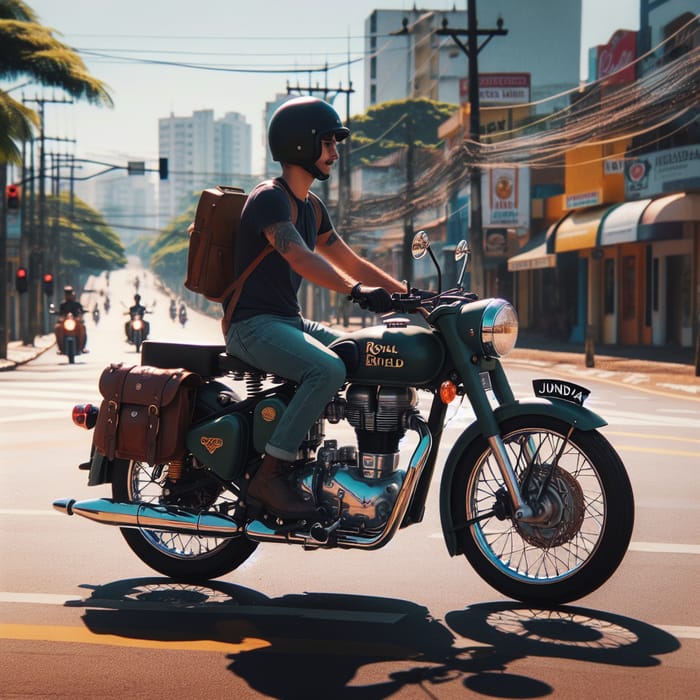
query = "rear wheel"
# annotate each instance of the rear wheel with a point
(583, 498)
(185, 557)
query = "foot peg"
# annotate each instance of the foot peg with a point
(320, 533)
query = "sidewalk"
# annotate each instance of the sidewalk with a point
(19, 354)
(665, 369)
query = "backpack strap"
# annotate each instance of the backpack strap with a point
(233, 291)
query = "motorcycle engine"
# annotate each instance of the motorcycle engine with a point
(360, 484)
(379, 416)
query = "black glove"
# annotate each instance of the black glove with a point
(375, 299)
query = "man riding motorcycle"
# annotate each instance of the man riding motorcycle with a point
(70, 305)
(267, 329)
(137, 310)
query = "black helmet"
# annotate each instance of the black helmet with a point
(296, 130)
(137, 298)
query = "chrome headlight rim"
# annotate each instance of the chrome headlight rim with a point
(499, 328)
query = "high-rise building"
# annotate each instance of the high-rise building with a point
(406, 58)
(201, 151)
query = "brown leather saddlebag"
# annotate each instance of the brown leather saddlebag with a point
(145, 412)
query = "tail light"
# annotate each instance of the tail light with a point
(85, 415)
(69, 324)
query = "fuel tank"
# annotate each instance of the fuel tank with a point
(391, 355)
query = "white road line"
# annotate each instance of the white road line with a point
(656, 547)
(65, 411)
(664, 547)
(9, 597)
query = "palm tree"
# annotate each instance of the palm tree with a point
(29, 50)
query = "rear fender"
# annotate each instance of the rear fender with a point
(577, 416)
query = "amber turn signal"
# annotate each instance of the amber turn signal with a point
(448, 391)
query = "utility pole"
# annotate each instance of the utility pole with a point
(472, 49)
(37, 247)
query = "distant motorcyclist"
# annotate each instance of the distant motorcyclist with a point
(70, 305)
(137, 310)
(173, 309)
(182, 314)
(96, 313)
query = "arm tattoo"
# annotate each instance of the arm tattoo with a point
(333, 238)
(283, 235)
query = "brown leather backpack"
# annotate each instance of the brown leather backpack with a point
(212, 248)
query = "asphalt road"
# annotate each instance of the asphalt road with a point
(82, 617)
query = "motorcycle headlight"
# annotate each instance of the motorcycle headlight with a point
(137, 325)
(69, 324)
(499, 328)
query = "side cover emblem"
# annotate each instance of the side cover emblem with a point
(212, 444)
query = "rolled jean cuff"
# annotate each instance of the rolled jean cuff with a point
(279, 453)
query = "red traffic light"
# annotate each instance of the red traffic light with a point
(12, 196)
(21, 279)
(47, 283)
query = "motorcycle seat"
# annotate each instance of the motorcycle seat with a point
(205, 360)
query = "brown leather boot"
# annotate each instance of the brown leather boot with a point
(270, 487)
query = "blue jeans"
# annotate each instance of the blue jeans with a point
(296, 349)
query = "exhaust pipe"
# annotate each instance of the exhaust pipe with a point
(151, 517)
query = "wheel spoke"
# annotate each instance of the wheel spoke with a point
(571, 495)
(146, 486)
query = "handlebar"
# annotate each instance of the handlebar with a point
(409, 303)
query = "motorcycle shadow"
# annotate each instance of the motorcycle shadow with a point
(353, 646)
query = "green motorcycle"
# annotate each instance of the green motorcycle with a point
(531, 493)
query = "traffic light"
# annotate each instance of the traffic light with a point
(163, 168)
(47, 284)
(12, 197)
(21, 280)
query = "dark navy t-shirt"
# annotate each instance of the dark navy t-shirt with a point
(272, 286)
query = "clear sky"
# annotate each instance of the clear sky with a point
(224, 33)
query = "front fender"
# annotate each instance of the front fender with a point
(577, 416)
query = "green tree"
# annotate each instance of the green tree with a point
(392, 126)
(87, 243)
(30, 51)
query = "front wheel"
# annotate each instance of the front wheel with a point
(580, 490)
(185, 557)
(70, 351)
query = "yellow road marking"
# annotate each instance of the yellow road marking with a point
(657, 451)
(82, 635)
(649, 436)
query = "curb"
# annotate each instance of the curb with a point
(31, 352)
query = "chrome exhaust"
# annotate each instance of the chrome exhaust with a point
(151, 517)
